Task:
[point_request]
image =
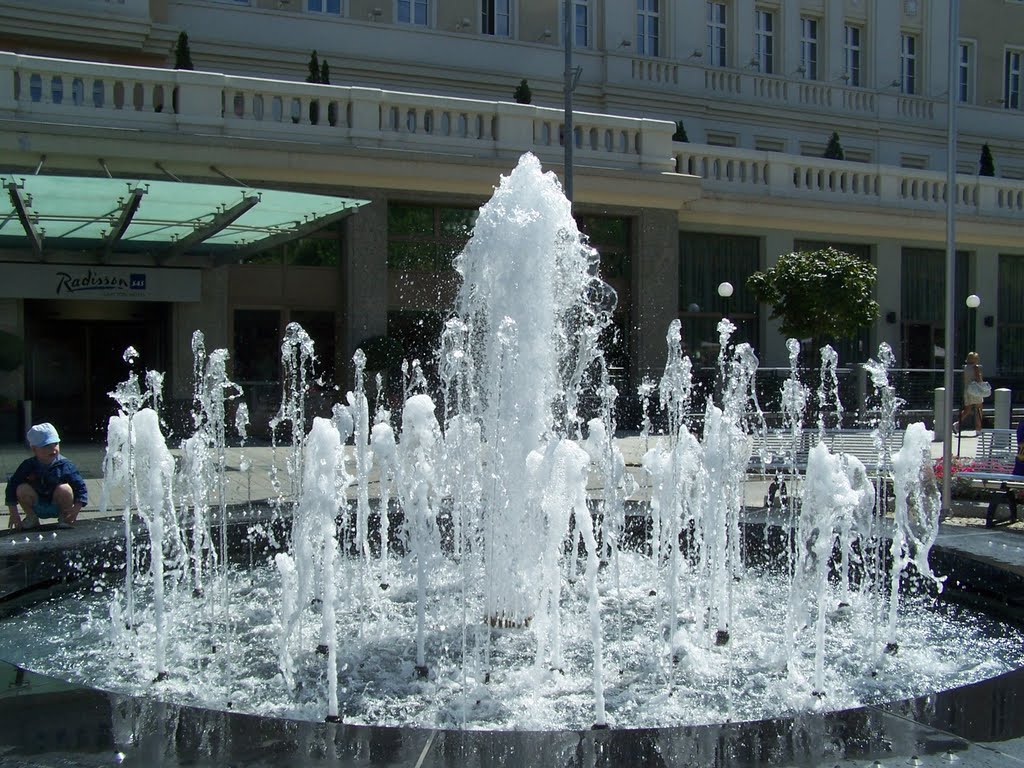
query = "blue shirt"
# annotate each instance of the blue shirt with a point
(44, 479)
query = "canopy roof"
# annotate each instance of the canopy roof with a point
(162, 218)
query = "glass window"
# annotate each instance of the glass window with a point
(965, 73)
(648, 27)
(808, 48)
(705, 261)
(427, 238)
(610, 236)
(852, 55)
(322, 249)
(923, 307)
(764, 41)
(324, 6)
(257, 345)
(908, 64)
(320, 326)
(716, 34)
(497, 18)
(414, 12)
(1010, 330)
(1011, 80)
(581, 23)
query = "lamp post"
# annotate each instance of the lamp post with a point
(973, 302)
(952, 92)
(725, 291)
(568, 138)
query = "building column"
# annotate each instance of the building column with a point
(834, 65)
(884, 37)
(743, 33)
(889, 295)
(655, 290)
(362, 310)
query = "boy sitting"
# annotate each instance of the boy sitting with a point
(46, 485)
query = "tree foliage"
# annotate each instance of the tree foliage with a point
(522, 93)
(182, 54)
(824, 294)
(680, 134)
(834, 150)
(314, 69)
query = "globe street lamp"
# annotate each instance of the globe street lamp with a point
(973, 302)
(725, 291)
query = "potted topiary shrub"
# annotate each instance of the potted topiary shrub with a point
(986, 165)
(834, 150)
(522, 93)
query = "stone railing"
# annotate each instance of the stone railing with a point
(92, 94)
(694, 79)
(837, 182)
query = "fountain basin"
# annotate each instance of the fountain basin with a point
(95, 727)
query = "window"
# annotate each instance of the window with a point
(705, 261)
(716, 34)
(414, 12)
(648, 27)
(808, 48)
(426, 238)
(321, 249)
(1011, 78)
(965, 73)
(1010, 309)
(922, 306)
(852, 55)
(324, 6)
(582, 16)
(764, 41)
(610, 236)
(497, 18)
(908, 64)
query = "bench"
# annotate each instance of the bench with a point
(861, 444)
(993, 473)
(774, 454)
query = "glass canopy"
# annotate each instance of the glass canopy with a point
(162, 218)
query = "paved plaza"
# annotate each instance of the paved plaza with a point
(249, 473)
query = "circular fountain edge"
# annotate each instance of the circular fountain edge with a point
(46, 718)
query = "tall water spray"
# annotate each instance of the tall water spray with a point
(533, 308)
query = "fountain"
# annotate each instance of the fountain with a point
(485, 585)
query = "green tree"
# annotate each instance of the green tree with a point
(325, 73)
(987, 165)
(680, 134)
(823, 295)
(522, 93)
(314, 69)
(834, 150)
(182, 54)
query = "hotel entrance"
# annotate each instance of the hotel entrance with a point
(75, 357)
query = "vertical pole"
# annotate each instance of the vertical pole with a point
(568, 138)
(951, 194)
